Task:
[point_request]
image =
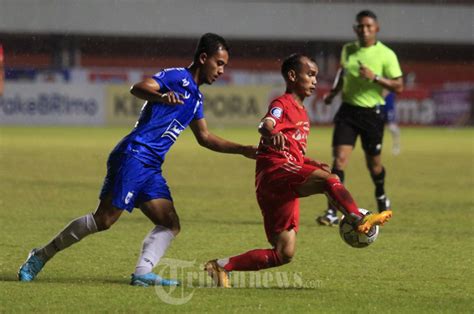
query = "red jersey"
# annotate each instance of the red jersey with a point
(292, 120)
(278, 173)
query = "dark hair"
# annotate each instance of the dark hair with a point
(210, 43)
(365, 13)
(293, 62)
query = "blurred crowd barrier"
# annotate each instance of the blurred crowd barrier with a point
(61, 103)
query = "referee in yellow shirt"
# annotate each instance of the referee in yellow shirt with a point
(367, 68)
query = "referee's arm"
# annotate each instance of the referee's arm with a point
(394, 85)
(336, 87)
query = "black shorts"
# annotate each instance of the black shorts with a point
(351, 121)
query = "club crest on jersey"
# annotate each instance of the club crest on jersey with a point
(276, 112)
(174, 130)
(161, 74)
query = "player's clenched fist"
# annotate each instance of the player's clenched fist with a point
(172, 98)
(278, 141)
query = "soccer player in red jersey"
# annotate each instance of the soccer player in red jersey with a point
(284, 174)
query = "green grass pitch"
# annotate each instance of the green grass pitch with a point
(422, 261)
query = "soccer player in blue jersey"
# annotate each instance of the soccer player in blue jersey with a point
(134, 176)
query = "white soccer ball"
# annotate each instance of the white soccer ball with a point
(354, 238)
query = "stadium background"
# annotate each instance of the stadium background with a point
(71, 62)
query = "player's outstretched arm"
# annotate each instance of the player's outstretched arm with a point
(217, 144)
(149, 90)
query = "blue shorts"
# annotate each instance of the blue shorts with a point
(131, 182)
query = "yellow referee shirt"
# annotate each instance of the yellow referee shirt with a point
(378, 58)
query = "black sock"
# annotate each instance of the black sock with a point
(340, 174)
(379, 181)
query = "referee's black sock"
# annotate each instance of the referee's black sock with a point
(379, 181)
(340, 174)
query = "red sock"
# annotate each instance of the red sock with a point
(341, 199)
(254, 260)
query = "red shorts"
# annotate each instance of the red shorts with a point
(275, 183)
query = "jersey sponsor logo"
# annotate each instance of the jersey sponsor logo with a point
(185, 82)
(304, 124)
(276, 112)
(174, 130)
(299, 135)
(128, 198)
(186, 95)
(302, 132)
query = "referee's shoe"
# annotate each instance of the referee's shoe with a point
(383, 203)
(328, 219)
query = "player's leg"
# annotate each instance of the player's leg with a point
(390, 118)
(395, 132)
(377, 173)
(124, 174)
(320, 181)
(372, 139)
(159, 208)
(280, 210)
(113, 198)
(284, 247)
(341, 156)
(105, 215)
(343, 142)
(163, 215)
(344, 138)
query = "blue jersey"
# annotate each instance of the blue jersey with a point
(160, 125)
